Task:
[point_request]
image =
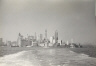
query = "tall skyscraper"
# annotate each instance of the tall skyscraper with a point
(51, 39)
(41, 38)
(46, 39)
(56, 36)
(19, 40)
(1, 41)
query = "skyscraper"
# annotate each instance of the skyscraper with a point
(51, 39)
(1, 41)
(56, 36)
(20, 37)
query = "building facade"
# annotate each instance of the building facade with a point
(23, 42)
(56, 36)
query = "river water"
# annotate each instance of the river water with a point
(47, 57)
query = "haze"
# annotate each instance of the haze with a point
(74, 19)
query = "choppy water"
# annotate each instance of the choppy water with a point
(47, 57)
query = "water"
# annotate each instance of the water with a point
(47, 57)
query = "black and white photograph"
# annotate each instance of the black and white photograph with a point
(47, 32)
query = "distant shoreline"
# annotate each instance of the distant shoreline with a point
(11, 50)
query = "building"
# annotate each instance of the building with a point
(40, 38)
(67, 42)
(56, 36)
(19, 40)
(1, 39)
(14, 44)
(54, 41)
(51, 40)
(24, 42)
(1, 42)
(9, 43)
(31, 37)
(45, 41)
(60, 42)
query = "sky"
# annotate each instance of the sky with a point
(74, 19)
(95, 8)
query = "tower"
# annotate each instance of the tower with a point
(1, 41)
(19, 40)
(46, 40)
(51, 39)
(67, 42)
(56, 36)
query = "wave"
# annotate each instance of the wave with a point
(79, 54)
(14, 60)
(82, 54)
(47, 58)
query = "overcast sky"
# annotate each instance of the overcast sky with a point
(95, 8)
(74, 19)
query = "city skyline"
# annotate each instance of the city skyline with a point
(73, 19)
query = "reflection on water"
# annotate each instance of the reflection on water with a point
(47, 57)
